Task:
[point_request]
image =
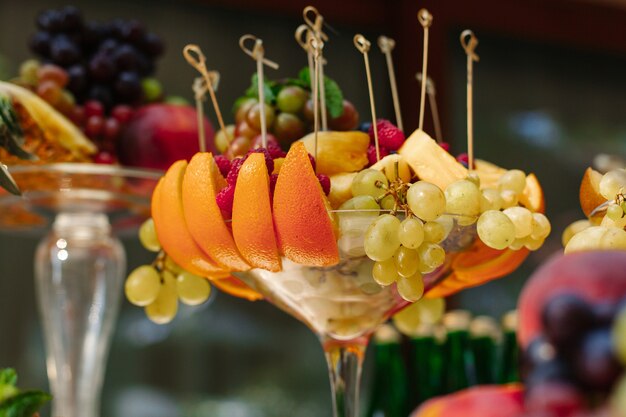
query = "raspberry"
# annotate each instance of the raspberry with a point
(313, 163)
(463, 159)
(371, 153)
(445, 146)
(324, 182)
(223, 164)
(224, 199)
(275, 150)
(104, 157)
(269, 161)
(235, 166)
(389, 135)
(273, 179)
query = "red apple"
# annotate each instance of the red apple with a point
(159, 134)
(480, 401)
(596, 276)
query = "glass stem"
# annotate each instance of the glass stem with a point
(345, 360)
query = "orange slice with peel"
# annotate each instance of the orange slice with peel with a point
(532, 198)
(171, 227)
(304, 227)
(236, 288)
(253, 224)
(201, 183)
(589, 194)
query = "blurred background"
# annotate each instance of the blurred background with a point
(549, 95)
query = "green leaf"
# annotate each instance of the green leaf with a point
(24, 404)
(8, 376)
(7, 182)
(253, 90)
(334, 96)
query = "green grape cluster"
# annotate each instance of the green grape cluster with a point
(159, 287)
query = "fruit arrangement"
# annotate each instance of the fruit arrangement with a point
(602, 199)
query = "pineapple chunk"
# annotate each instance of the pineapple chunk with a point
(388, 163)
(431, 162)
(338, 152)
(340, 188)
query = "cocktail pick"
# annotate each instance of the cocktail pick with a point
(425, 19)
(200, 89)
(315, 21)
(432, 101)
(469, 43)
(257, 53)
(303, 33)
(363, 45)
(194, 56)
(386, 45)
(316, 46)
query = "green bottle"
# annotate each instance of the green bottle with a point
(459, 361)
(389, 390)
(484, 333)
(426, 360)
(508, 361)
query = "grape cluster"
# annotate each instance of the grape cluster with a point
(575, 364)
(610, 233)
(159, 286)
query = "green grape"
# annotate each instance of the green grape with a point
(164, 308)
(447, 222)
(381, 238)
(254, 116)
(522, 218)
(508, 198)
(411, 288)
(620, 223)
(362, 202)
(623, 206)
(474, 179)
(192, 289)
(385, 272)
(352, 224)
(388, 203)
(618, 334)
(463, 198)
(518, 244)
(411, 233)
(291, 99)
(431, 255)
(614, 212)
(173, 267)
(434, 232)
(152, 89)
(29, 70)
(428, 311)
(597, 238)
(490, 200)
(572, 229)
(541, 226)
(426, 200)
(370, 182)
(513, 180)
(532, 244)
(142, 285)
(495, 229)
(618, 397)
(148, 236)
(612, 183)
(407, 261)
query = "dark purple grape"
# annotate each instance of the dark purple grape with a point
(108, 47)
(90, 35)
(605, 313)
(152, 44)
(595, 364)
(128, 87)
(566, 318)
(133, 31)
(78, 79)
(50, 20)
(71, 18)
(145, 66)
(102, 94)
(539, 351)
(40, 43)
(554, 370)
(102, 68)
(63, 51)
(126, 57)
(117, 28)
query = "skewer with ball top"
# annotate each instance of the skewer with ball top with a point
(426, 20)
(469, 43)
(314, 20)
(386, 45)
(363, 45)
(316, 45)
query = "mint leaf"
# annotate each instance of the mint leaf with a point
(253, 90)
(334, 96)
(8, 376)
(24, 404)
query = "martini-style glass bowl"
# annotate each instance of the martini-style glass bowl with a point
(342, 304)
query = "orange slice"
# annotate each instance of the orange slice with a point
(235, 287)
(532, 198)
(303, 225)
(171, 227)
(253, 224)
(589, 195)
(201, 183)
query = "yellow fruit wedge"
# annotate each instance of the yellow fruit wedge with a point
(388, 164)
(589, 193)
(50, 120)
(431, 162)
(340, 188)
(488, 173)
(338, 152)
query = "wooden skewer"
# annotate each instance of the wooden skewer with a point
(316, 45)
(315, 21)
(425, 19)
(258, 54)
(469, 43)
(304, 31)
(194, 56)
(386, 45)
(432, 101)
(363, 45)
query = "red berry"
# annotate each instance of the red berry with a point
(389, 135)
(93, 127)
(225, 199)
(122, 113)
(273, 179)
(257, 141)
(324, 182)
(77, 115)
(371, 153)
(313, 163)
(275, 151)
(111, 129)
(93, 108)
(235, 166)
(223, 164)
(269, 162)
(445, 146)
(463, 158)
(104, 157)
